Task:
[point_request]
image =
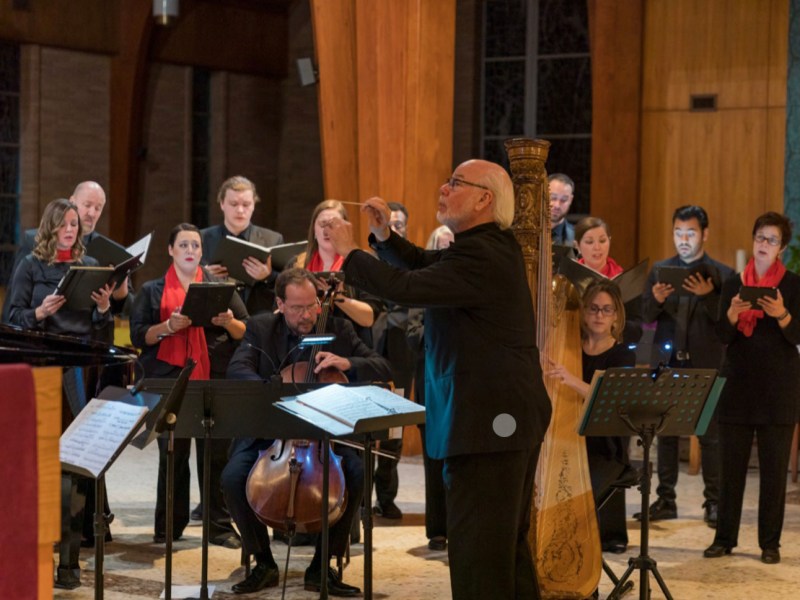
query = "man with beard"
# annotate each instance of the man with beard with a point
(686, 319)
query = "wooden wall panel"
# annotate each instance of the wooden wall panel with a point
(714, 46)
(616, 30)
(720, 161)
(386, 102)
(730, 161)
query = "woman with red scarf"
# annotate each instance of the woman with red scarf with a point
(593, 244)
(167, 339)
(762, 393)
(33, 305)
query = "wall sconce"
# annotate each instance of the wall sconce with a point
(165, 12)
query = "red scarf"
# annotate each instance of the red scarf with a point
(315, 265)
(63, 255)
(186, 343)
(773, 276)
(611, 270)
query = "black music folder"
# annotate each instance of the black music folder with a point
(675, 276)
(232, 251)
(631, 282)
(206, 300)
(79, 283)
(752, 294)
(109, 252)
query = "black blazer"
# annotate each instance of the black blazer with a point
(480, 336)
(267, 343)
(26, 247)
(705, 349)
(259, 297)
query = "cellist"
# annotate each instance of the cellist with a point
(270, 342)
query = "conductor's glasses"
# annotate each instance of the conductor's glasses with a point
(606, 310)
(454, 182)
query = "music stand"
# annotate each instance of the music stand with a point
(647, 403)
(133, 398)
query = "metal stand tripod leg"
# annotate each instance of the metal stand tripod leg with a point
(643, 562)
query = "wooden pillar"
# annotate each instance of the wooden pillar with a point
(386, 102)
(615, 36)
(128, 84)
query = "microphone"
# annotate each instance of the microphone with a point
(275, 370)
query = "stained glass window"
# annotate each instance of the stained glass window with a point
(537, 83)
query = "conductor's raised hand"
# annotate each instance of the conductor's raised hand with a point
(329, 359)
(340, 234)
(378, 215)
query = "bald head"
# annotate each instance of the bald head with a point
(478, 192)
(90, 199)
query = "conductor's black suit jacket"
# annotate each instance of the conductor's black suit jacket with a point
(482, 364)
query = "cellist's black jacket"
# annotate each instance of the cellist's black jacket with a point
(480, 336)
(268, 340)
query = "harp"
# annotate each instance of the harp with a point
(565, 539)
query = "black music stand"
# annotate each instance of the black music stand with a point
(647, 403)
(81, 454)
(242, 409)
(226, 409)
(101, 522)
(166, 419)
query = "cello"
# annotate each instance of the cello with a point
(284, 487)
(565, 537)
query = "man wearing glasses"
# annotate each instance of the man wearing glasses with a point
(487, 408)
(685, 335)
(270, 342)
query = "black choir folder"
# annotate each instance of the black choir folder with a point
(232, 251)
(675, 276)
(79, 282)
(206, 300)
(631, 282)
(109, 252)
(98, 435)
(341, 410)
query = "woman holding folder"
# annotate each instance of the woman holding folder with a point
(167, 339)
(34, 305)
(33, 302)
(762, 394)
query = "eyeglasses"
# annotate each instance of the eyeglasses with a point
(606, 311)
(454, 182)
(397, 225)
(301, 310)
(772, 241)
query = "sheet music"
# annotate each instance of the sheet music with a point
(97, 433)
(349, 404)
(315, 417)
(142, 246)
